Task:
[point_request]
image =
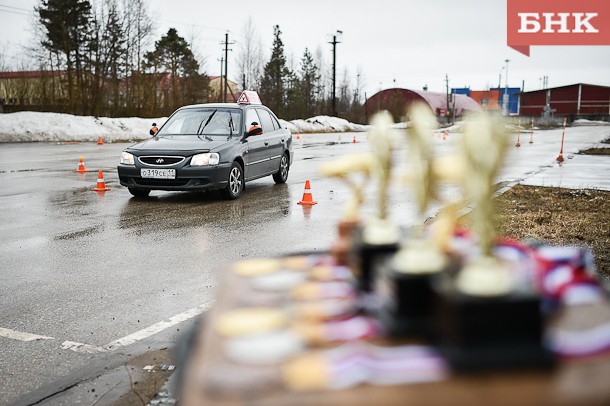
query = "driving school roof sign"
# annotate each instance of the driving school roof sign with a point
(249, 97)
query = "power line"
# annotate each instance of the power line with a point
(201, 26)
(192, 25)
(17, 8)
(16, 12)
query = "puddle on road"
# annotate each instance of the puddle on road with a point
(86, 232)
(26, 170)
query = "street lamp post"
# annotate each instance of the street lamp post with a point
(505, 104)
(500, 78)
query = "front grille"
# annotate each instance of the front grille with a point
(161, 182)
(160, 160)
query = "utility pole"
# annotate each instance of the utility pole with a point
(447, 87)
(356, 95)
(220, 86)
(334, 44)
(366, 108)
(226, 74)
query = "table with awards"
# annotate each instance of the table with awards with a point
(436, 314)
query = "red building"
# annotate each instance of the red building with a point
(398, 102)
(487, 99)
(578, 100)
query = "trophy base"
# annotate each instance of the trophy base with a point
(365, 258)
(486, 333)
(501, 356)
(408, 301)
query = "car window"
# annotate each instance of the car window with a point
(252, 117)
(209, 121)
(276, 123)
(175, 126)
(266, 122)
(222, 123)
(235, 121)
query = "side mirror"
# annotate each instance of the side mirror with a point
(154, 129)
(255, 129)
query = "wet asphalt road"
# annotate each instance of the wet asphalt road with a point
(88, 268)
(91, 280)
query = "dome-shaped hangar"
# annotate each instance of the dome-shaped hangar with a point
(398, 101)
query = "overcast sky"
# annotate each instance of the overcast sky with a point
(402, 43)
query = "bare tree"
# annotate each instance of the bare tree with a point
(359, 88)
(325, 78)
(138, 29)
(250, 60)
(4, 57)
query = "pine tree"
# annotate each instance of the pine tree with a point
(172, 56)
(309, 89)
(115, 51)
(275, 75)
(66, 24)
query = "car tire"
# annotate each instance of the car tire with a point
(235, 183)
(282, 174)
(139, 192)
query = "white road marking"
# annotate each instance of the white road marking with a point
(21, 336)
(121, 342)
(158, 327)
(80, 347)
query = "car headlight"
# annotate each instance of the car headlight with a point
(210, 158)
(127, 158)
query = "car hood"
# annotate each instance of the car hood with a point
(178, 143)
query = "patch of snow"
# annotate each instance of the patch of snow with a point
(28, 126)
(322, 124)
(582, 121)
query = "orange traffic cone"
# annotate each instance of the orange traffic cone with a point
(560, 157)
(81, 166)
(307, 197)
(354, 140)
(101, 185)
(99, 140)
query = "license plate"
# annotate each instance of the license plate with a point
(158, 173)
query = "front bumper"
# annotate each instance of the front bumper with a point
(187, 178)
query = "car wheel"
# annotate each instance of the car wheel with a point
(282, 174)
(139, 192)
(235, 183)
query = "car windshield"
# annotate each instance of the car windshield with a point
(203, 121)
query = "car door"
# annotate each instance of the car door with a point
(256, 159)
(273, 138)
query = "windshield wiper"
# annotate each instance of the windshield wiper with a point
(231, 126)
(200, 129)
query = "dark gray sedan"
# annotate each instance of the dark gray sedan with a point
(209, 147)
